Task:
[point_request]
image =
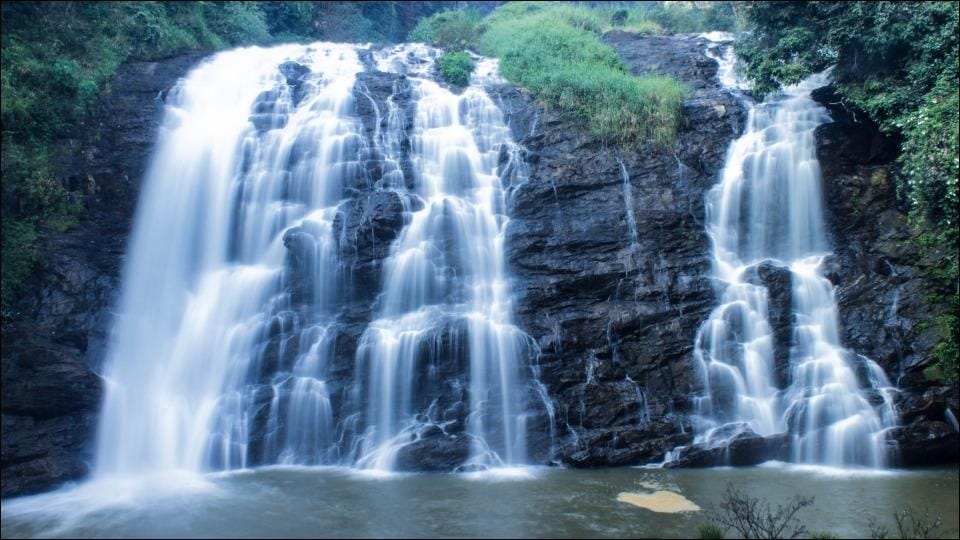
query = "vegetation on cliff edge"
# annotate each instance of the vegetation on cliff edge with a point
(554, 50)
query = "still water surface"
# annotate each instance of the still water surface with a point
(330, 502)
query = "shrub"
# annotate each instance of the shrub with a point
(240, 23)
(689, 17)
(453, 30)
(753, 518)
(456, 67)
(710, 531)
(19, 255)
(619, 17)
(909, 525)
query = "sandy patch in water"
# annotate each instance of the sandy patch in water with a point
(666, 502)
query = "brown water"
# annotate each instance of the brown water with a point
(528, 503)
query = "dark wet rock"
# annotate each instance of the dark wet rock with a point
(293, 72)
(624, 445)
(778, 282)
(923, 444)
(743, 449)
(883, 282)
(434, 452)
(596, 305)
(49, 400)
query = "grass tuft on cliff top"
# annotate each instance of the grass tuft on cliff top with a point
(555, 51)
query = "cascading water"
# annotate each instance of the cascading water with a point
(445, 296)
(238, 165)
(766, 213)
(235, 282)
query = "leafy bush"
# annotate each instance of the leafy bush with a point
(356, 22)
(895, 61)
(240, 23)
(691, 17)
(456, 67)
(945, 352)
(19, 254)
(710, 531)
(619, 17)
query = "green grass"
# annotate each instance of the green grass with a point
(452, 30)
(555, 51)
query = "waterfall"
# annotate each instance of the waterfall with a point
(445, 298)
(765, 220)
(628, 203)
(235, 286)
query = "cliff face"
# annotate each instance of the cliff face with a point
(610, 264)
(615, 317)
(883, 286)
(53, 346)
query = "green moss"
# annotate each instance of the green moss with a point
(19, 255)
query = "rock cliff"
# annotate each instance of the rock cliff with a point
(615, 317)
(610, 265)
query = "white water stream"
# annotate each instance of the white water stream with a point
(234, 285)
(767, 208)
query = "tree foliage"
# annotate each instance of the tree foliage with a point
(897, 61)
(454, 30)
